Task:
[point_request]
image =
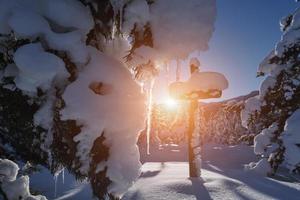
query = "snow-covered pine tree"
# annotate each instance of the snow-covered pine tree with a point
(13, 186)
(220, 122)
(66, 99)
(31, 121)
(279, 98)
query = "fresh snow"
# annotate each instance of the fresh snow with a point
(194, 17)
(262, 140)
(37, 68)
(48, 20)
(199, 81)
(137, 12)
(117, 111)
(165, 176)
(251, 105)
(15, 188)
(196, 21)
(291, 140)
(265, 66)
(8, 170)
(267, 84)
(261, 167)
(223, 177)
(291, 35)
(207, 81)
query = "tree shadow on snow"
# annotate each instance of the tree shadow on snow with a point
(135, 196)
(261, 184)
(149, 174)
(199, 189)
(196, 188)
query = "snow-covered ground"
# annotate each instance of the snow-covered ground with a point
(223, 177)
(165, 176)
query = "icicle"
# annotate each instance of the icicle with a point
(149, 114)
(63, 175)
(142, 88)
(56, 175)
(121, 18)
(55, 184)
(118, 6)
(178, 70)
(167, 73)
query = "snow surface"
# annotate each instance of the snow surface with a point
(291, 35)
(119, 113)
(267, 84)
(62, 25)
(15, 188)
(222, 177)
(137, 13)
(48, 20)
(182, 28)
(37, 68)
(8, 170)
(207, 81)
(251, 105)
(261, 167)
(165, 176)
(262, 140)
(178, 28)
(199, 81)
(291, 138)
(263, 147)
(265, 66)
(19, 189)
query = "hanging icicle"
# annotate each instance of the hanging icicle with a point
(55, 183)
(121, 18)
(63, 176)
(167, 72)
(55, 177)
(178, 70)
(149, 114)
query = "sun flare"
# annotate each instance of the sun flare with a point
(170, 103)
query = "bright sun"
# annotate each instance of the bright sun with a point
(170, 103)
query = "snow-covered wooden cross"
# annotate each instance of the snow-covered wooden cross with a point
(201, 85)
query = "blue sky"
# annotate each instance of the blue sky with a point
(246, 30)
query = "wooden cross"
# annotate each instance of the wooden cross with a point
(194, 97)
(194, 170)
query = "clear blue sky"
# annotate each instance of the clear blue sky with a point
(246, 30)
